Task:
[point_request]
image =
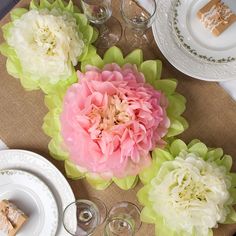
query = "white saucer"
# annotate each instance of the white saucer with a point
(47, 172)
(34, 198)
(178, 56)
(199, 41)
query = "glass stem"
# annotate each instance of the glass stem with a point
(103, 30)
(138, 33)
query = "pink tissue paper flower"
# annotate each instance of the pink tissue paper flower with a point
(111, 119)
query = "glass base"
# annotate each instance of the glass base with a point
(123, 220)
(136, 39)
(88, 215)
(109, 33)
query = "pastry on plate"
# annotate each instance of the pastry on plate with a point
(216, 16)
(11, 218)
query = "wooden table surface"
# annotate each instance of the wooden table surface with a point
(211, 114)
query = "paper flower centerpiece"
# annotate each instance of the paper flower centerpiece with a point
(45, 43)
(188, 190)
(105, 125)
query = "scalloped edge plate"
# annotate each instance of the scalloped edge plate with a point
(35, 198)
(181, 59)
(47, 172)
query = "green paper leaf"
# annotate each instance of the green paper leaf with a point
(214, 154)
(88, 53)
(231, 217)
(96, 60)
(59, 4)
(6, 30)
(17, 13)
(210, 233)
(76, 9)
(28, 83)
(177, 146)
(148, 215)
(97, 182)
(160, 154)
(184, 122)
(233, 194)
(56, 150)
(161, 229)
(45, 4)
(168, 86)
(72, 171)
(53, 101)
(147, 174)
(113, 55)
(176, 104)
(176, 127)
(152, 71)
(49, 88)
(81, 19)
(199, 148)
(7, 51)
(33, 5)
(126, 183)
(70, 6)
(88, 34)
(95, 35)
(142, 195)
(12, 68)
(135, 57)
(51, 125)
(193, 142)
(233, 181)
(225, 161)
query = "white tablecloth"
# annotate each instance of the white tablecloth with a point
(2, 145)
(230, 87)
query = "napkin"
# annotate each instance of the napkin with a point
(230, 87)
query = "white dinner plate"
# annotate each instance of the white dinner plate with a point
(34, 198)
(47, 172)
(197, 39)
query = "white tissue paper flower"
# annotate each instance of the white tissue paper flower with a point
(190, 193)
(47, 43)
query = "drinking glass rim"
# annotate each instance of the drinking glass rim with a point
(130, 203)
(84, 201)
(152, 15)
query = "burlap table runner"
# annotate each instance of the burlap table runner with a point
(211, 114)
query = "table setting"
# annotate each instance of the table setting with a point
(117, 118)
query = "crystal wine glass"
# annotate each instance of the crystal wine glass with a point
(99, 13)
(139, 16)
(123, 220)
(88, 214)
